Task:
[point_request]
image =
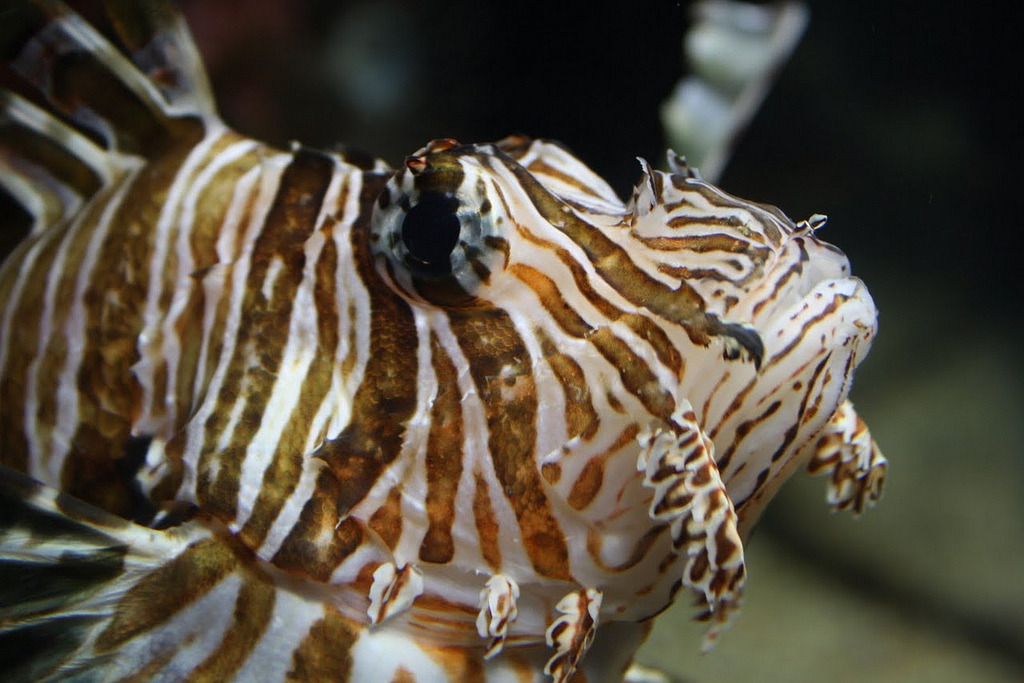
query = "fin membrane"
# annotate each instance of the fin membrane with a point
(75, 110)
(77, 585)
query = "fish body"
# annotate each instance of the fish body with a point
(314, 417)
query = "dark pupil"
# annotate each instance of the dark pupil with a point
(431, 230)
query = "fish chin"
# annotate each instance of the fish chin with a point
(813, 347)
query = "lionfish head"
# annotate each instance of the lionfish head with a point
(648, 370)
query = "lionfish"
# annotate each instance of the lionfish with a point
(294, 414)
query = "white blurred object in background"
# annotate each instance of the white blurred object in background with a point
(733, 51)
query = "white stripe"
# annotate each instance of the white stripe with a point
(298, 354)
(151, 342)
(292, 509)
(26, 268)
(335, 409)
(39, 462)
(74, 332)
(551, 399)
(477, 454)
(299, 351)
(23, 112)
(270, 176)
(192, 634)
(215, 279)
(351, 292)
(184, 284)
(272, 656)
(270, 277)
(379, 654)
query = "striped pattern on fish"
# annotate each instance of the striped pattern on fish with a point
(456, 420)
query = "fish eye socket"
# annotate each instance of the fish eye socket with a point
(438, 238)
(430, 231)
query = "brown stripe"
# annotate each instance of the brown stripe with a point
(701, 244)
(461, 614)
(552, 300)
(211, 207)
(588, 484)
(282, 475)
(579, 274)
(595, 541)
(386, 398)
(349, 361)
(322, 538)
(169, 589)
(254, 608)
(742, 430)
(486, 524)
(22, 337)
(500, 365)
(767, 216)
(683, 305)
(387, 519)
(778, 287)
(326, 652)
(556, 304)
(650, 332)
(443, 459)
(581, 418)
(636, 377)
(263, 329)
(727, 221)
(541, 167)
(686, 273)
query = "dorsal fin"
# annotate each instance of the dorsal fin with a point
(162, 48)
(84, 111)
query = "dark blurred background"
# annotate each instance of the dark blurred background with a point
(900, 121)
(895, 119)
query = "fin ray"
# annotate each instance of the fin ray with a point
(65, 569)
(83, 110)
(162, 47)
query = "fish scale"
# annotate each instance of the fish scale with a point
(294, 414)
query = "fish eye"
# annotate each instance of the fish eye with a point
(438, 231)
(430, 232)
